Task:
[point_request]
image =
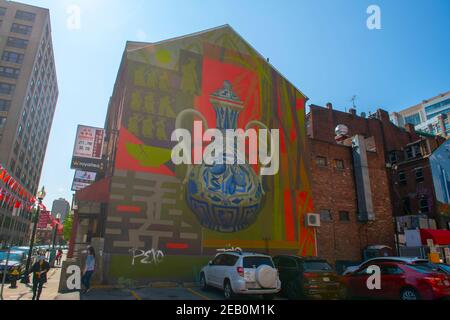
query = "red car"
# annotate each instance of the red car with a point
(401, 278)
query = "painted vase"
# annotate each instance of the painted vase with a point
(225, 197)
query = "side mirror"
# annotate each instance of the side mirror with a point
(210, 263)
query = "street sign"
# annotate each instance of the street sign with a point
(88, 149)
(83, 179)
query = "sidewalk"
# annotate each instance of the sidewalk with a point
(49, 292)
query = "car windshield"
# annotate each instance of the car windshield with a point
(255, 262)
(445, 267)
(317, 266)
(12, 256)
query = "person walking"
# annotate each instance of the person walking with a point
(58, 257)
(88, 270)
(39, 269)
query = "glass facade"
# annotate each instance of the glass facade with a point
(413, 119)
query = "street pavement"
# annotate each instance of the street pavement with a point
(24, 292)
(171, 293)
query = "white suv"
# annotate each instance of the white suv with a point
(241, 273)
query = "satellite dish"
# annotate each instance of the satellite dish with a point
(341, 130)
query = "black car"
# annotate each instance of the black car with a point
(16, 259)
(307, 278)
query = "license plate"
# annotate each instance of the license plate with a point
(326, 279)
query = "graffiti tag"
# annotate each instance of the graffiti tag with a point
(152, 256)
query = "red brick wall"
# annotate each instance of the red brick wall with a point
(334, 189)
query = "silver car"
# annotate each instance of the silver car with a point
(241, 273)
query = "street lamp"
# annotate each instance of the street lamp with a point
(40, 196)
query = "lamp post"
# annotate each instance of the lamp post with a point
(40, 196)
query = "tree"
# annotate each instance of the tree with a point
(68, 227)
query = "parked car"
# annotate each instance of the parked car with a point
(306, 278)
(241, 273)
(16, 259)
(401, 278)
(444, 267)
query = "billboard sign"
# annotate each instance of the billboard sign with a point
(87, 152)
(83, 179)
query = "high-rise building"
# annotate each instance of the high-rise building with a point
(430, 116)
(28, 95)
(60, 207)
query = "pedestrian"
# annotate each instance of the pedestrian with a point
(59, 256)
(88, 270)
(39, 269)
(14, 276)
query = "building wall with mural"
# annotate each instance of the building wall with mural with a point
(173, 219)
(440, 167)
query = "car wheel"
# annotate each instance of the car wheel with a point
(409, 294)
(228, 291)
(203, 283)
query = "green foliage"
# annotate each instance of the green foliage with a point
(68, 227)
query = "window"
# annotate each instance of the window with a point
(409, 153)
(13, 57)
(2, 11)
(413, 152)
(393, 157)
(5, 104)
(255, 262)
(417, 151)
(17, 43)
(325, 215)
(423, 204)
(402, 178)
(21, 28)
(321, 161)
(23, 15)
(391, 270)
(2, 122)
(9, 72)
(339, 164)
(413, 119)
(287, 263)
(344, 216)
(20, 131)
(419, 175)
(7, 88)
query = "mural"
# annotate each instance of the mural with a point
(189, 212)
(440, 167)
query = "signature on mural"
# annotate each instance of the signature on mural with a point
(152, 256)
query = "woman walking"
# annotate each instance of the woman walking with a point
(88, 270)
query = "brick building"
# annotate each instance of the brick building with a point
(339, 192)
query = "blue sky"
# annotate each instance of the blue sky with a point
(322, 46)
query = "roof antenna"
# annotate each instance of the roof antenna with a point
(353, 101)
(268, 60)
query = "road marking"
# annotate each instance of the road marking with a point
(135, 295)
(197, 294)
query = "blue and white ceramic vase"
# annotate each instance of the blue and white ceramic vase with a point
(225, 197)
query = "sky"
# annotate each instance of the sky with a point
(323, 47)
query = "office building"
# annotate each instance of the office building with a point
(28, 96)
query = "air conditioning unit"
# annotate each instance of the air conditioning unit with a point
(313, 220)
